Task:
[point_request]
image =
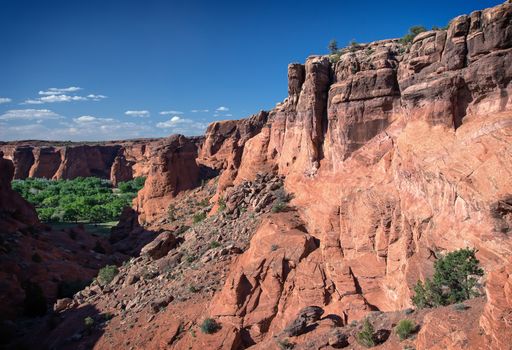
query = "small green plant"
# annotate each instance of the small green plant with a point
(191, 258)
(222, 204)
(274, 247)
(36, 258)
(333, 46)
(366, 336)
(215, 244)
(413, 32)
(198, 217)
(353, 45)
(88, 324)
(454, 280)
(284, 344)
(107, 274)
(171, 212)
(209, 326)
(193, 289)
(404, 329)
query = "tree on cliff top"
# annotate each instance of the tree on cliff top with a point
(413, 32)
(454, 280)
(333, 46)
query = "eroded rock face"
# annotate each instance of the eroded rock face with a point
(116, 161)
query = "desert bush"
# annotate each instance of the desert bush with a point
(285, 344)
(366, 336)
(209, 326)
(198, 217)
(404, 329)
(107, 274)
(333, 46)
(413, 32)
(215, 244)
(454, 280)
(222, 204)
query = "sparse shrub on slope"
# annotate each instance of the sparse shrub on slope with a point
(367, 335)
(209, 326)
(454, 280)
(107, 274)
(413, 32)
(404, 329)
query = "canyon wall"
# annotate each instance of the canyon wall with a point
(116, 161)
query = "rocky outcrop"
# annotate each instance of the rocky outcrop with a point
(172, 169)
(116, 161)
(15, 212)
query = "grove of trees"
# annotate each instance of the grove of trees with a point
(82, 199)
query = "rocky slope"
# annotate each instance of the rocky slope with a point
(393, 154)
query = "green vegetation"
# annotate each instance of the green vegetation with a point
(82, 199)
(198, 217)
(333, 46)
(171, 212)
(284, 344)
(222, 204)
(404, 329)
(413, 32)
(215, 244)
(107, 274)
(366, 336)
(88, 324)
(454, 280)
(35, 301)
(209, 326)
(281, 202)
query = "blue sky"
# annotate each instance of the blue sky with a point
(99, 70)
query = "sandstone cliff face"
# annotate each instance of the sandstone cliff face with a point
(394, 155)
(116, 161)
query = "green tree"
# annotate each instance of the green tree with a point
(454, 280)
(413, 32)
(333, 46)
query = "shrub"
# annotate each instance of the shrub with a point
(404, 329)
(36, 258)
(333, 46)
(198, 217)
(460, 307)
(274, 247)
(209, 326)
(193, 289)
(453, 281)
(284, 344)
(222, 204)
(413, 32)
(171, 212)
(88, 324)
(366, 336)
(214, 244)
(107, 274)
(35, 301)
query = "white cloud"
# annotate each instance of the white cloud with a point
(29, 114)
(96, 97)
(179, 125)
(200, 110)
(229, 115)
(138, 114)
(222, 109)
(5, 100)
(85, 119)
(59, 91)
(53, 95)
(170, 112)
